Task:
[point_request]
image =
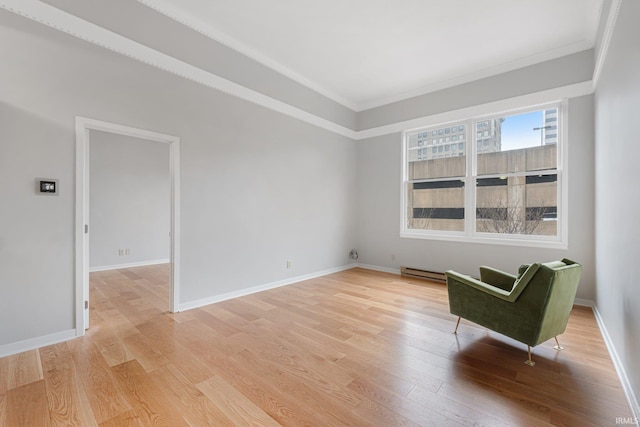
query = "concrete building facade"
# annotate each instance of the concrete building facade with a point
(526, 203)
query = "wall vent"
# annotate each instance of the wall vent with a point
(435, 276)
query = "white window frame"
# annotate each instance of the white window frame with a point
(559, 241)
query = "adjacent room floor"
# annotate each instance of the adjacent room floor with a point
(354, 348)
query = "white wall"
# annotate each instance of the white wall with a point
(257, 187)
(379, 185)
(129, 200)
(617, 102)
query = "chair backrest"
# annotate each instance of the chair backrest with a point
(563, 278)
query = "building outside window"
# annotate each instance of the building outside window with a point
(507, 188)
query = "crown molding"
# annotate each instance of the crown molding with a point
(92, 33)
(87, 31)
(496, 107)
(258, 57)
(612, 18)
(478, 75)
(250, 53)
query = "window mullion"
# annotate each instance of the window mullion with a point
(470, 195)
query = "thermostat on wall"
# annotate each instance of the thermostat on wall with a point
(46, 187)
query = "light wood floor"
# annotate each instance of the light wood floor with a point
(355, 348)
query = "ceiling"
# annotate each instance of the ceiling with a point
(365, 53)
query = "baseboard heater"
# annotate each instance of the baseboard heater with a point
(435, 276)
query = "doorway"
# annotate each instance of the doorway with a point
(84, 126)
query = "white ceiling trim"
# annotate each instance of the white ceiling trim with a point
(250, 53)
(247, 51)
(491, 108)
(612, 18)
(477, 75)
(234, 44)
(77, 27)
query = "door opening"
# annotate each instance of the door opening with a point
(83, 226)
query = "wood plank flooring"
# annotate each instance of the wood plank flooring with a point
(356, 348)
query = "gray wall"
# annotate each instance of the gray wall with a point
(168, 36)
(567, 70)
(617, 194)
(257, 187)
(379, 185)
(129, 200)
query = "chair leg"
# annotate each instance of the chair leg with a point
(558, 347)
(457, 324)
(529, 362)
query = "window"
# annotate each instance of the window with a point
(507, 189)
(435, 189)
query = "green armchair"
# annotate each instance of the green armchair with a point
(531, 307)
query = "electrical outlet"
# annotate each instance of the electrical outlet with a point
(120, 252)
(288, 263)
(127, 252)
(393, 257)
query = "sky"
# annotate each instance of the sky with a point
(517, 131)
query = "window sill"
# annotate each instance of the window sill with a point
(551, 243)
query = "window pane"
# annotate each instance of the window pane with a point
(518, 143)
(518, 205)
(431, 165)
(436, 205)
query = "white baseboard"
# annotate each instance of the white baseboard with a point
(242, 292)
(33, 343)
(617, 363)
(583, 302)
(128, 265)
(378, 268)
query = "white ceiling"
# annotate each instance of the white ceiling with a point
(365, 53)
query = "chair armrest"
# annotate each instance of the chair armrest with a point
(510, 295)
(477, 284)
(497, 278)
(524, 280)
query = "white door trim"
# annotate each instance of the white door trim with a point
(83, 126)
